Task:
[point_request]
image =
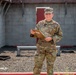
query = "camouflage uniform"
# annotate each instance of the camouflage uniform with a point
(47, 49)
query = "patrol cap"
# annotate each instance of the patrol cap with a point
(48, 10)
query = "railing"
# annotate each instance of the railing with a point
(33, 48)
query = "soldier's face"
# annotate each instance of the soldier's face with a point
(48, 16)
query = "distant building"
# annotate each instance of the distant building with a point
(17, 17)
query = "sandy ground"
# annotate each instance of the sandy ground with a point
(66, 62)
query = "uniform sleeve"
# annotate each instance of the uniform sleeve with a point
(58, 35)
(36, 28)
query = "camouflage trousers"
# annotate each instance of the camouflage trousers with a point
(48, 52)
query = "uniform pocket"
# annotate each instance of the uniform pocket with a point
(36, 53)
(54, 53)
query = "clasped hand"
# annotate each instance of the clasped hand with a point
(48, 39)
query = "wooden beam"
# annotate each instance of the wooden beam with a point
(44, 1)
(7, 9)
(31, 73)
(1, 2)
(3, 7)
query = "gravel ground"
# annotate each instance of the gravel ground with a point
(66, 62)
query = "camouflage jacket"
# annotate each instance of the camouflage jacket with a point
(50, 29)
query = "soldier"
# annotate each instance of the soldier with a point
(46, 47)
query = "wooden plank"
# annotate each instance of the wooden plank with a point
(45, 1)
(31, 73)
